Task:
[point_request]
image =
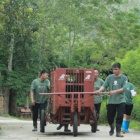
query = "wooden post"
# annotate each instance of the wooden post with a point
(1, 104)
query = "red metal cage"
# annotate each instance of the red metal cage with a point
(72, 98)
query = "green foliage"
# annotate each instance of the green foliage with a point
(103, 113)
(135, 116)
(136, 110)
(50, 34)
(135, 125)
(131, 65)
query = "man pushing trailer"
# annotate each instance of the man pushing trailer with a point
(116, 104)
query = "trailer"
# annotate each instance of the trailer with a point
(71, 99)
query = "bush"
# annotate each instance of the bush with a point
(135, 116)
(103, 113)
(136, 109)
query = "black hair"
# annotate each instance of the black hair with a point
(43, 71)
(116, 65)
(96, 69)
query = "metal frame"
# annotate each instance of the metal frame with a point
(72, 90)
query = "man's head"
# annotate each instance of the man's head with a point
(96, 73)
(44, 74)
(116, 67)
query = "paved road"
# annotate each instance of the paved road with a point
(12, 129)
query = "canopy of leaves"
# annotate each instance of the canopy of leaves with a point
(45, 34)
(131, 65)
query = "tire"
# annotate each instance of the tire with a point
(94, 125)
(42, 121)
(75, 124)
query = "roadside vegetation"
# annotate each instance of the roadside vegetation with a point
(135, 116)
(49, 34)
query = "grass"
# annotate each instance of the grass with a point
(134, 125)
(9, 116)
(14, 117)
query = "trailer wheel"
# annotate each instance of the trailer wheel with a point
(42, 121)
(94, 125)
(75, 124)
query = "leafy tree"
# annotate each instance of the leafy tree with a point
(131, 65)
(47, 34)
(19, 32)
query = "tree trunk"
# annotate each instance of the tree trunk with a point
(0, 86)
(71, 44)
(12, 104)
(11, 54)
(26, 102)
(1, 100)
(6, 92)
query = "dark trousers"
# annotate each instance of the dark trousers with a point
(97, 108)
(115, 110)
(128, 109)
(37, 108)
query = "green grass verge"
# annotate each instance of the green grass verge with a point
(134, 125)
(14, 117)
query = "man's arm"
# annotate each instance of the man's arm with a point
(48, 85)
(32, 98)
(104, 85)
(100, 90)
(121, 90)
(118, 91)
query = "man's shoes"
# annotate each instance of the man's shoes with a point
(67, 130)
(59, 127)
(42, 131)
(35, 129)
(118, 130)
(35, 126)
(97, 129)
(111, 132)
(65, 127)
(119, 134)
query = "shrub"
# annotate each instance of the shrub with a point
(103, 113)
(135, 116)
(136, 110)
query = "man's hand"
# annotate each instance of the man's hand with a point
(97, 92)
(32, 98)
(32, 102)
(112, 92)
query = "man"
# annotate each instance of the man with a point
(116, 104)
(98, 82)
(39, 85)
(129, 92)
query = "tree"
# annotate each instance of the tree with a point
(47, 34)
(19, 27)
(131, 65)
